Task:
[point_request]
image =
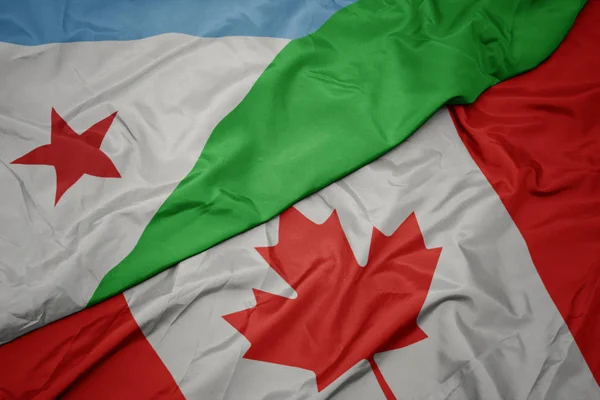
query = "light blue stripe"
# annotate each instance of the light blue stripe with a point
(34, 22)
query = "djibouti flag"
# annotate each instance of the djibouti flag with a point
(134, 135)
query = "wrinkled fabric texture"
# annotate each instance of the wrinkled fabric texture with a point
(492, 330)
(208, 146)
(32, 22)
(329, 103)
(537, 140)
(96, 354)
(53, 256)
(333, 101)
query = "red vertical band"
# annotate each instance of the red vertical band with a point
(98, 353)
(537, 140)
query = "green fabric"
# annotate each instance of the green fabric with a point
(332, 102)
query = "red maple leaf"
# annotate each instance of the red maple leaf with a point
(343, 313)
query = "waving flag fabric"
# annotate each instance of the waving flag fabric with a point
(463, 264)
(138, 134)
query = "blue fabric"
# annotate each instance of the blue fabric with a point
(34, 22)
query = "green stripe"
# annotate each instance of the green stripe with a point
(332, 102)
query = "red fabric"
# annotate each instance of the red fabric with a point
(98, 353)
(343, 313)
(537, 139)
(73, 155)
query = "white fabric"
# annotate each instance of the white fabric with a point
(170, 91)
(494, 332)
